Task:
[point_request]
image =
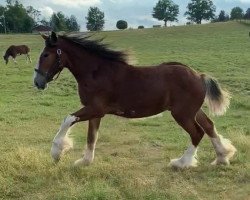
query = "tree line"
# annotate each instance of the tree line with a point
(197, 10)
(167, 11)
(15, 18)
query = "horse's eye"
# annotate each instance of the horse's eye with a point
(45, 55)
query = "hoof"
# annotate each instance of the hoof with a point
(82, 162)
(224, 150)
(182, 164)
(221, 161)
(224, 156)
(56, 152)
(61, 147)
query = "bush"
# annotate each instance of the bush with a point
(121, 24)
(140, 27)
(156, 26)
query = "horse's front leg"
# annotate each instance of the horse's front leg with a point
(89, 153)
(28, 58)
(62, 142)
(14, 59)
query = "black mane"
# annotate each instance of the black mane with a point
(96, 47)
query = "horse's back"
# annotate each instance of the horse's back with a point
(20, 49)
(146, 91)
(23, 48)
(26, 48)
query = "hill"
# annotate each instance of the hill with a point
(131, 156)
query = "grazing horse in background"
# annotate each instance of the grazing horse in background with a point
(107, 84)
(13, 51)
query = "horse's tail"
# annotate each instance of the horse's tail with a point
(218, 100)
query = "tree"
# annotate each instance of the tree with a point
(199, 10)
(72, 24)
(166, 10)
(33, 13)
(17, 18)
(58, 22)
(2, 19)
(237, 13)
(95, 19)
(121, 24)
(247, 15)
(44, 22)
(223, 16)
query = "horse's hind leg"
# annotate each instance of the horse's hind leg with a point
(88, 156)
(223, 147)
(196, 133)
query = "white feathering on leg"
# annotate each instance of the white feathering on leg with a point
(61, 142)
(224, 150)
(87, 158)
(187, 160)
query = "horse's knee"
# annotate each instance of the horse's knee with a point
(69, 120)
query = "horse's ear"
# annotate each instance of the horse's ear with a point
(45, 37)
(53, 37)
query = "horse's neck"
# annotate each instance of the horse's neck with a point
(81, 64)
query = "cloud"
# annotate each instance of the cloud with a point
(121, 1)
(238, 1)
(75, 3)
(245, 1)
(46, 12)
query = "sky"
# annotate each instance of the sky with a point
(135, 12)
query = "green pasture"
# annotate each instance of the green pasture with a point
(132, 156)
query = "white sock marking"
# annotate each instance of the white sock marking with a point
(224, 150)
(187, 160)
(61, 142)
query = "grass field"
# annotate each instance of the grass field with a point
(131, 156)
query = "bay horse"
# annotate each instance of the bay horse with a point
(13, 51)
(107, 84)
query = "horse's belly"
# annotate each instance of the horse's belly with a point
(137, 114)
(141, 108)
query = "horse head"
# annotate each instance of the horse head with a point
(50, 62)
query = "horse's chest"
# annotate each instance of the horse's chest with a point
(85, 97)
(87, 94)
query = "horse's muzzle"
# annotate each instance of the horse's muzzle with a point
(40, 86)
(40, 82)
